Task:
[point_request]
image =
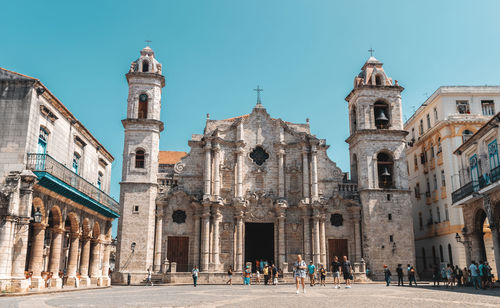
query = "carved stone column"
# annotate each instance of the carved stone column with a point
(205, 240)
(84, 262)
(239, 243)
(305, 175)
(158, 237)
(307, 238)
(196, 243)
(281, 240)
(316, 244)
(207, 172)
(105, 263)
(495, 237)
(94, 264)
(36, 260)
(73, 258)
(314, 172)
(239, 172)
(357, 240)
(55, 256)
(216, 171)
(322, 243)
(281, 173)
(217, 217)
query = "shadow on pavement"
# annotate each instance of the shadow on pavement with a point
(467, 290)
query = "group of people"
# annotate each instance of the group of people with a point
(300, 268)
(400, 272)
(476, 275)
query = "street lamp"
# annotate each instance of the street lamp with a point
(37, 216)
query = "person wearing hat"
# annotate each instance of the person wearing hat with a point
(387, 275)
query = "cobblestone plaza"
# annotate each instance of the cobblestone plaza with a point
(361, 295)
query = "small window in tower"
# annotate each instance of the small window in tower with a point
(389, 198)
(391, 238)
(135, 209)
(143, 106)
(389, 216)
(381, 113)
(139, 159)
(378, 80)
(145, 66)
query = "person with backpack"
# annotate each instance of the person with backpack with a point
(322, 274)
(387, 275)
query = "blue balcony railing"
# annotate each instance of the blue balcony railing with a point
(92, 196)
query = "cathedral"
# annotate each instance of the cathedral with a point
(255, 187)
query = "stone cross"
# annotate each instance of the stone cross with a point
(258, 90)
(371, 51)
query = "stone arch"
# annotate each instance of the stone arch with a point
(385, 169)
(354, 119)
(54, 219)
(86, 227)
(96, 230)
(382, 114)
(74, 224)
(480, 219)
(145, 66)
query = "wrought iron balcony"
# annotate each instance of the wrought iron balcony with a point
(464, 191)
(55, 176)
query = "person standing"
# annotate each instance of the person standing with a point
(399, 271)
(412, 276)
(274, 271)
(246, 276)
(474, 275)
(311, 269)
(459, 275)
(148, 279)
(408, 267)
(195, 273)
(229, 276)
(299, 273)
(347, 272)
(257, 277)
(336, 272)
(387, 275)
(322, 273)
(266, 275)
(482, 274)
(436, 275)
(465, 279)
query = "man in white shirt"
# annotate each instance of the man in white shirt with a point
(474, 273)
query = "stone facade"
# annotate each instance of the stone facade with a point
(257, 179)
(52, 166)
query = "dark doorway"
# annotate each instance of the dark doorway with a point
(259, 242)
(177, 251)
(337, 247)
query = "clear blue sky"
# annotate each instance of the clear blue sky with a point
(304, 53)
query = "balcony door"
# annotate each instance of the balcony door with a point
(493, 154)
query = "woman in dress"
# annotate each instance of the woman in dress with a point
(230, 276)
(299, 273)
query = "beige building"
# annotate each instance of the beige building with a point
(479, 195)
(55, 212)
(254, 187)
(440, 125)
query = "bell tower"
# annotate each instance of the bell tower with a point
(138, 188)
(378, 164)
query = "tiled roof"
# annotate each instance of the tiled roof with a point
(170, 157)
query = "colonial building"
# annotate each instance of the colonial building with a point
(479, 195)
(447, 118)
(55, 212)
(254, 187)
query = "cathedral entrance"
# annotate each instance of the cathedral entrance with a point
(177, 251)
(259, 242)
(337, 247)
